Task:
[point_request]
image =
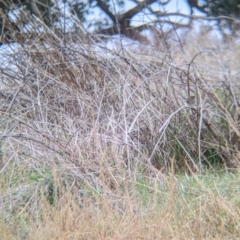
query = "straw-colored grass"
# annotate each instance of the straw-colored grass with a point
(193, 207)
(100, 143)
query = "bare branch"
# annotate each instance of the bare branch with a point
(149, 25)
(132, 12)
(105, 8)
(194, 4)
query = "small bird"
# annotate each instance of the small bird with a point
(191, 100)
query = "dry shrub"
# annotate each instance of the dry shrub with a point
(82, 100)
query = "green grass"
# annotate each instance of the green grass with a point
(205, 206)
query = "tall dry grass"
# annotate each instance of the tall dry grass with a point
(92, 137)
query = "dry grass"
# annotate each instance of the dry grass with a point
(203, 207)
(91, 140)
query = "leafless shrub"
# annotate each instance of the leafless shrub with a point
(80, 100)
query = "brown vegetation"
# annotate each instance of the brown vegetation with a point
(82, 124)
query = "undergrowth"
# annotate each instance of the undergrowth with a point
(100, 143)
